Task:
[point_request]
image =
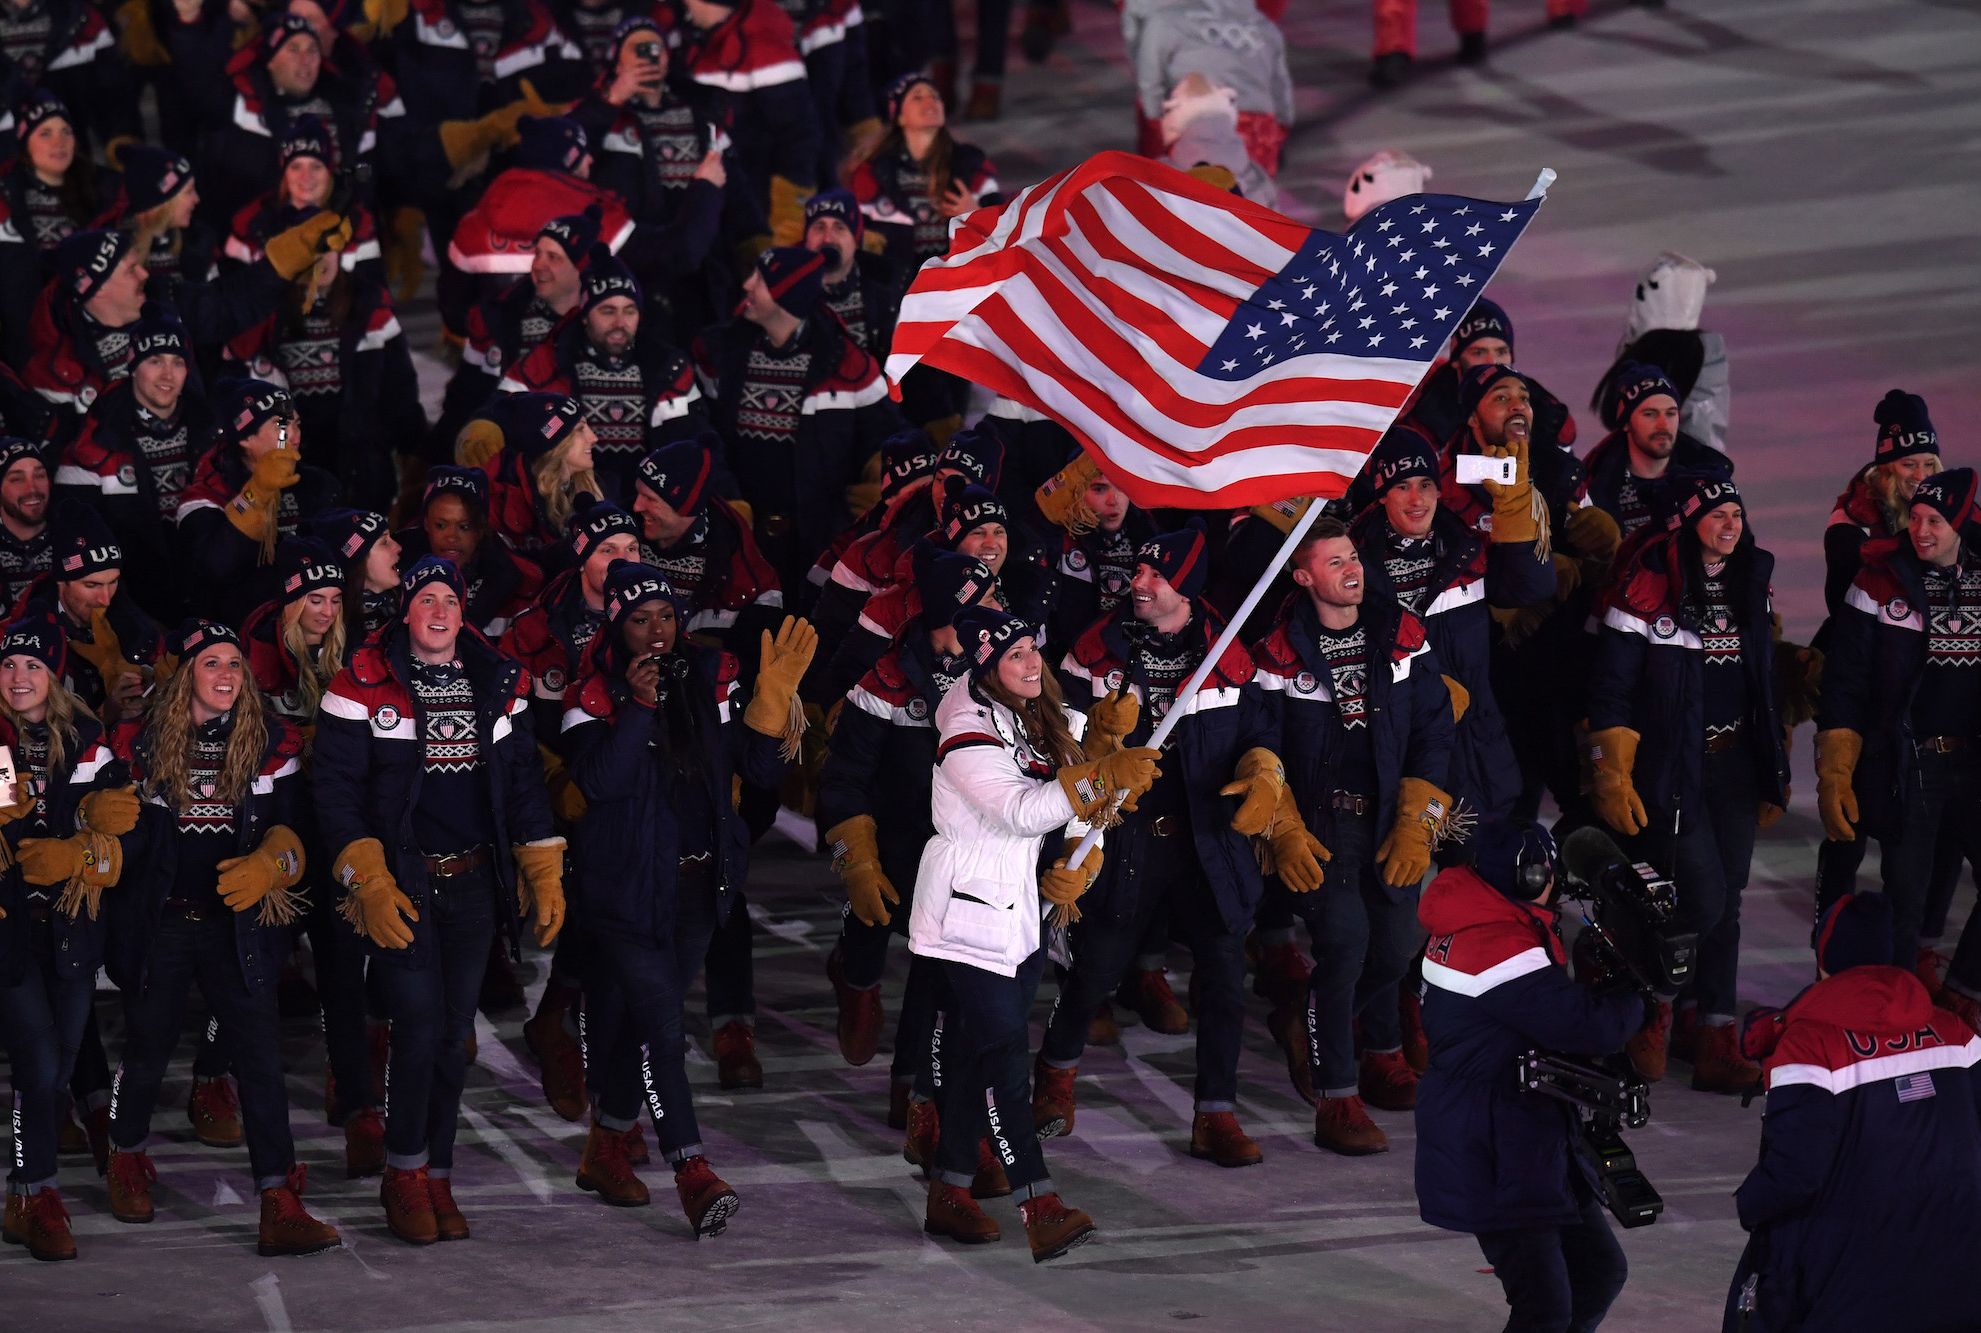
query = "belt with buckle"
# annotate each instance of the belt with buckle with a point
(1348, 803)
(185, 909)
(1943, 744)
(695, 869)
(455, 864)
(1165, 826)
(1723, 741)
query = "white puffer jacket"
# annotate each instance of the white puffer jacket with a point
(993, 801)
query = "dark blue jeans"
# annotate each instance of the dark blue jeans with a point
(986, 1082)
(1558, 1279)
(340, 987)
(42, 1020)
(182, 952)
(1945, 802)
(1364, 935)
(1159, 880)
(731, 966)
(432, 1008)
(634, 1033)
(1710, 867)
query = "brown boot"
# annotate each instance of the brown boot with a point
(953, 1213)
(1149, 994)
(1342, 1124)
(1289, 1029)
(1215, 1136)
(1410, 1017)
(364, 1144)
(1387, 1081)
(898, 1092)
(560, 1061)
(215, 1111)
(1282, 973)
(605, 1170)
(1720, 1066)
(708, 1202)
(1102, 1030)
(736, 1056)
(860, 1015)
(448, 1224)
(636, 1145)
(1052, 1099)
(130, 1178)
(15, 1231)
(43, 1227)
(1649, 1048)
(286, 1226)
(990, 1182)
(1052, 1227)
(924, 1133)
(408, 1200)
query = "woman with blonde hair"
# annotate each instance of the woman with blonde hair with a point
(541, 473)
(52, 925)
(1008, 772)
(220, 771)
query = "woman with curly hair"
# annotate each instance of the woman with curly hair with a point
(52, 927)
(218, 771)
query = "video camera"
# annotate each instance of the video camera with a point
(1630, 940)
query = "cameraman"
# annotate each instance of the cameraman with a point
(1508, 1166)
(1865, 1205)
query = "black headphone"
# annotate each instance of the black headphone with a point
(1534, 867)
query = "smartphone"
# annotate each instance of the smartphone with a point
(8, 785)
(648, 51)
(1474, 469)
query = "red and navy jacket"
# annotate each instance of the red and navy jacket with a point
(222, 567)
(881, 753)
(1607, 464)
(1408, 708)
(370, 757)
(738, 593)
(515, 511)
(79, 941)
(678, 226)
(248, 233)
(273, 798)
(1227, 716)
(443, 78)
(1468, 575)
(617, 751)
(844, 417)
(547, 638)
(746, 72)
(896, 214)
(1854, 520)
(1875, 659)
(493, 333)
(1866, 1201)
(1496, 985)
(80, 64)
(1649, 675)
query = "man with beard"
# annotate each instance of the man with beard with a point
(635, 392)
(24, 544)
(859, 286)
(1626, 471)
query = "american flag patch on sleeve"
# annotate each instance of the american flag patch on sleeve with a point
(1915, 1087)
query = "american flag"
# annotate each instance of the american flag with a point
(1914, 1087)
(1206, 350)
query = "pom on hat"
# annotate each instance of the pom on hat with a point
(964, 508)
(85, 260)
(429, 569)
(1476, 381)
(81, 543)
(1514, 856)
(308, 136)
(1903, 427)
(550, 143)
(838, 204)
(306, 567)
(678, 473)
(606, 277)
(1484, 320)
(630, 585)
(948, 582)
(196, 635)
(1856, 932)
(1949, 494)
(987, 634)
(575, 233)
(468, 484)
(1388, 175)
(1631, 383)
(793, 277)
(1181, 557)
(602, 521)
(38, 637)
(153, 176)
(1400, 455)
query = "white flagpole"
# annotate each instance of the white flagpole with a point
(1245, 608)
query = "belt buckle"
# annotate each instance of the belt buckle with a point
(452, 864)
(1162, 826)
